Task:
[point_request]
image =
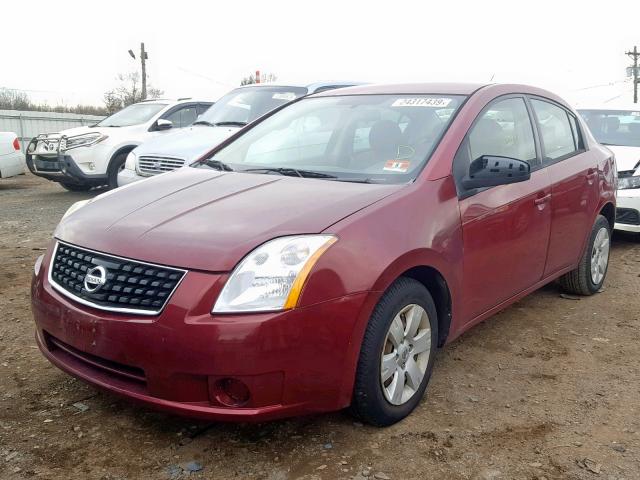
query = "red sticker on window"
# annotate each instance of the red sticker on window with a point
(397, 166)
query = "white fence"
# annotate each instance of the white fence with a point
(30, 124)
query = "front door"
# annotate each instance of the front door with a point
(505, 228)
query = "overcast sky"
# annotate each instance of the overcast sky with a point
(68, 51)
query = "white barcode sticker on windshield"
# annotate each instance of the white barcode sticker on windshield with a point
(422, 102)
(284, 96)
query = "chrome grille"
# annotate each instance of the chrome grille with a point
(153, 165)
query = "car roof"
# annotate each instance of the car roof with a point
(311, 87)
(408, 88)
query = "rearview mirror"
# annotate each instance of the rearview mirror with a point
(164, 124)
(490, 170)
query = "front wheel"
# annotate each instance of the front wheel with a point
(591, 272)
(397, 354)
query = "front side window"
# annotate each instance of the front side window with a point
(558, 139)
(504, 129)
(183, 117)
(614, 127)
(370, 138)
(244, 105)
(132, 115)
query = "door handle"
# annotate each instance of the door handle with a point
(542, 200)
(591, 173)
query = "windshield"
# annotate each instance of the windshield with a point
(614, 127)
(361, 138)
(132, 115)
(243, 105)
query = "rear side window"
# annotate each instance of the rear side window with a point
(558, 137)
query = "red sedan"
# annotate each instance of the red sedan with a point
(318, 258)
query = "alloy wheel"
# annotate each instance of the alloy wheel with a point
(405, 354)
(600, 255)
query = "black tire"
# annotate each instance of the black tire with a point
(369, 403)
(114, 167)
(580, 281)
(76, 188)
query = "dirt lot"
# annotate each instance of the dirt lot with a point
(549, 388)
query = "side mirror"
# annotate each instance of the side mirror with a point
(489, 171)
(164, 124)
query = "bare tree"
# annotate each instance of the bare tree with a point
(11, 99)
(128, 92)
(264, 78)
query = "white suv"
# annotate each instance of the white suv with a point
(85, 157)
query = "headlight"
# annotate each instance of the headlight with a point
(626, 183)
(271, 277)
(85, 140)
(130, 163)
(76, 206)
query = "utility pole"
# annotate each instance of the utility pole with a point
(635, 56)
(144, 56)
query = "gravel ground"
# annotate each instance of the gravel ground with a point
(547, 389)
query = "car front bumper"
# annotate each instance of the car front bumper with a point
(63, 169)
(628, 210)
(293, 363)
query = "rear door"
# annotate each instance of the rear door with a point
(574, 187)
(505, 228)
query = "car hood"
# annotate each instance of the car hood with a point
(627, 158)
(208, 220)
(189, 143)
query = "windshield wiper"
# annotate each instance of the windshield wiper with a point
(230, 124)
(360, 180)
(204, 122)
(292, 172)
(217, 165)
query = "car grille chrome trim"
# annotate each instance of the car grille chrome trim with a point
(153, 165)
(133, 279)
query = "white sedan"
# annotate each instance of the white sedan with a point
(619, 129)
(11, 156)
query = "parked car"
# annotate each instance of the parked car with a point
(11, 156)
(317, 260)
(232, 112)
(85, 157)
(619, 129)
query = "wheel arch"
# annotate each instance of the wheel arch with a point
(436, 274)
(608, 211)
(123, 150)
(433, 281)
